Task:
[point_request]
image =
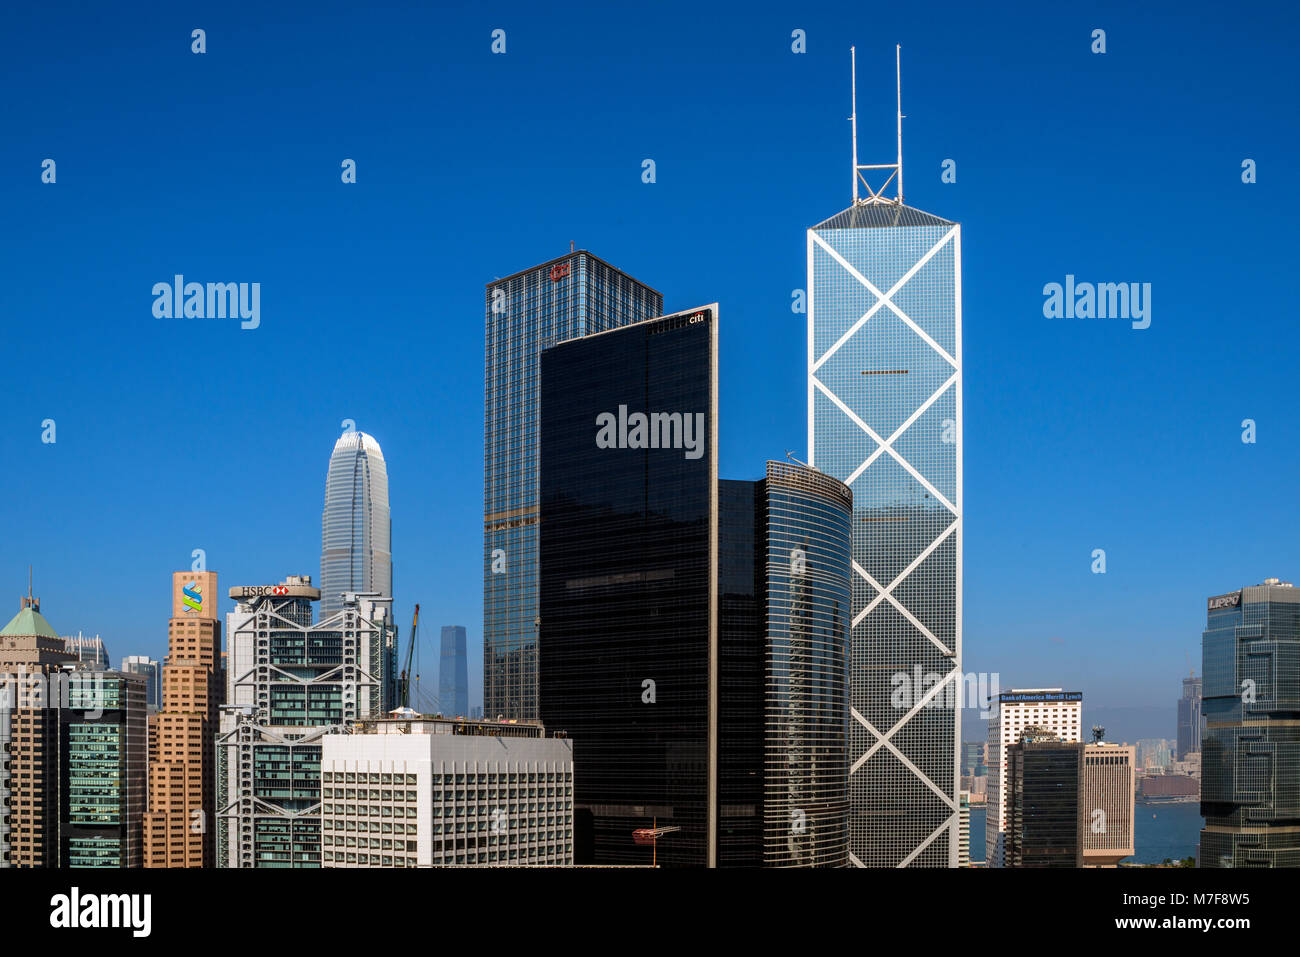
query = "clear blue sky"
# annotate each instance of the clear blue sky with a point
(1080, 434)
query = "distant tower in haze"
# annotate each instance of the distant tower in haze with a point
(453, 672)
(1189, 718)
(357, 527)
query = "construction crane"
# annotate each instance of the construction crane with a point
(651, 835)
(404, 682)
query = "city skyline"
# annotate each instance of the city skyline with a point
(1084, 412)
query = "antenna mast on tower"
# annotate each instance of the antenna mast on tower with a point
(876, 195)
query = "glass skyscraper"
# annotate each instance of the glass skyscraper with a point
(693, 631)
(453, 672)
(885, 417)
(1189, 718)
(356, 527)
(629, 626)
(1045, 819)
(804, 540)
(151, 669)
(574, 295)
(1250, 748)
(103, 793)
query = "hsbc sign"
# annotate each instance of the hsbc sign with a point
(274, 591)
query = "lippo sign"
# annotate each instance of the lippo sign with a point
(1232, 600)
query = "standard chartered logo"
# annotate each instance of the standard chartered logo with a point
(192, 596)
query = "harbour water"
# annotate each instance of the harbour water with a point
(1162, 831)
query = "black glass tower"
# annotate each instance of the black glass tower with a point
(1044, 789)
(627, 569)
(693, 632)
(1250, 748)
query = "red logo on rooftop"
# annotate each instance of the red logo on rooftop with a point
(559, 271)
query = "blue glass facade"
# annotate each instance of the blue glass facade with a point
(885, 418)
(453, 672)
(575, 295)
(804, 543)
(1250, 748)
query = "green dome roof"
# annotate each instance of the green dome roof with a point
(29, 622)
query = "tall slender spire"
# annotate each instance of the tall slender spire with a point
(30, 601)
(876, 195)
(898, 80)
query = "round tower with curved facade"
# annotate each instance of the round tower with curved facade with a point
(357, 527)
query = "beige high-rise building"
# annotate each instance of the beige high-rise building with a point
(72, 780)
(182, 769)
(29, 735)
(1108, 786)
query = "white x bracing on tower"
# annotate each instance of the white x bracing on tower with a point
(884, 291)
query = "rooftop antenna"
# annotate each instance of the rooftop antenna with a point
(29, 601)
(876, 195)
(789, 454)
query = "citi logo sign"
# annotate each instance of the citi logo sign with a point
(192, 596)
(655, 430)
(214, 300)
(559, 271)
(1103, 300)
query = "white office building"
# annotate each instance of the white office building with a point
(411, 791)
(1051, 709)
